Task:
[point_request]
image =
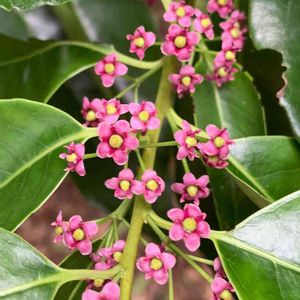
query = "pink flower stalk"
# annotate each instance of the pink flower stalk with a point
(225, 58)
(222, 7)
(110, 110)
(125, 185)
(156, 263)
(74, 157)
(233, 33)
(186, 80)
(188, 225)
(143, 116)
(203, 24)
(186, 138)
(221, 289)
(180, 42)
(109, 68)
(78, 234)
(218, 268)
(154, 186)
(89, 111)
(140, 41)
(116, 141)
(179, 12)
(192, 188)
(222, 74)
(59, 226)
(110, 291)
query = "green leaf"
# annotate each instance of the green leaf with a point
(28, 4)
(274, 25)
(261, 255)
(32, 137)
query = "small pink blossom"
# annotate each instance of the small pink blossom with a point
(221, 289)
(110, 110)
(222, 74)
(222, 7)
(218, 268)
(203, 24)
(78, 234)
(179, 12)
(140, 41)
(125, 185)
(186, 80)
(188, 225)
(192, 188)
(143, 116)
(74, 157)
(110, 291)
(156, 263)
(89, 111)
(180, 42)
(59, 226)
(225, 58)
(109, 68)
(154, 186)
(116, 141)
(186, 138)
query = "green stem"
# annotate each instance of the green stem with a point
(185, 166)
(162, 223)
(166, 3)
(90, 155)
(201, 260)
(161, 144)
(140, 159)
(171, 288)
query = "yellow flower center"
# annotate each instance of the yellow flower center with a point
(109, 68)
(124, 185)
(189, 224)
(222, 72)
(156, 264)
(91, 116)
(205, 22)
(144, 116)
(110, 109)
(98, 283)
(115, 141)
(186, 80)
(59, 230)
(180, 12)
(192, 190)
(71, 158)
(226, 295)
(222, 2)
(117, 256)
(219, 142)
(139, 42)
(152, 185)
(190, 141)
(78, 234)
(235, 32)
(180, 41)
(229, 55)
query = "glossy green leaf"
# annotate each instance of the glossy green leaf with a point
(28, 4)
(274, 25)
(32, 137)
(261, 255)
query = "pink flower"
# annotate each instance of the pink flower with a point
(156, 263)
(189, 225)
(154, 186)
(110, 110)
(225, 58)
(116, 141)
(222, 7)
(143, 116)
(109, 68)
(221, 289)
(203, 24)
(192, 189)
(89, 111)
(59, 226)
(222, 74)
(186, 138)
(125, 185)
(78, 234)
(180, 42)
(218, 268)
(186, 80)
(110, 291)
(140, 41)
(74, 157)
(179, 12)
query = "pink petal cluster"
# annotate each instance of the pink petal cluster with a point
(179, 12)
(89, 111)
(59, 226)
(225, 58)
(116, 141)
(125, 185)
(156, 263)
(203, 24)
(140, 41)
(192, 188)
(74, 157)
(109, 68)
(110, 291)
(144, 116)
(218, 268)
(186, 80)
(216, 150)
(222, 7)
(186, 138)
(222, 74)
(221, 289)
(180, 42)
(188, 225)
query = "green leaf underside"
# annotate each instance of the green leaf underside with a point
(261, 256)
(28, 4)
(274, 25)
